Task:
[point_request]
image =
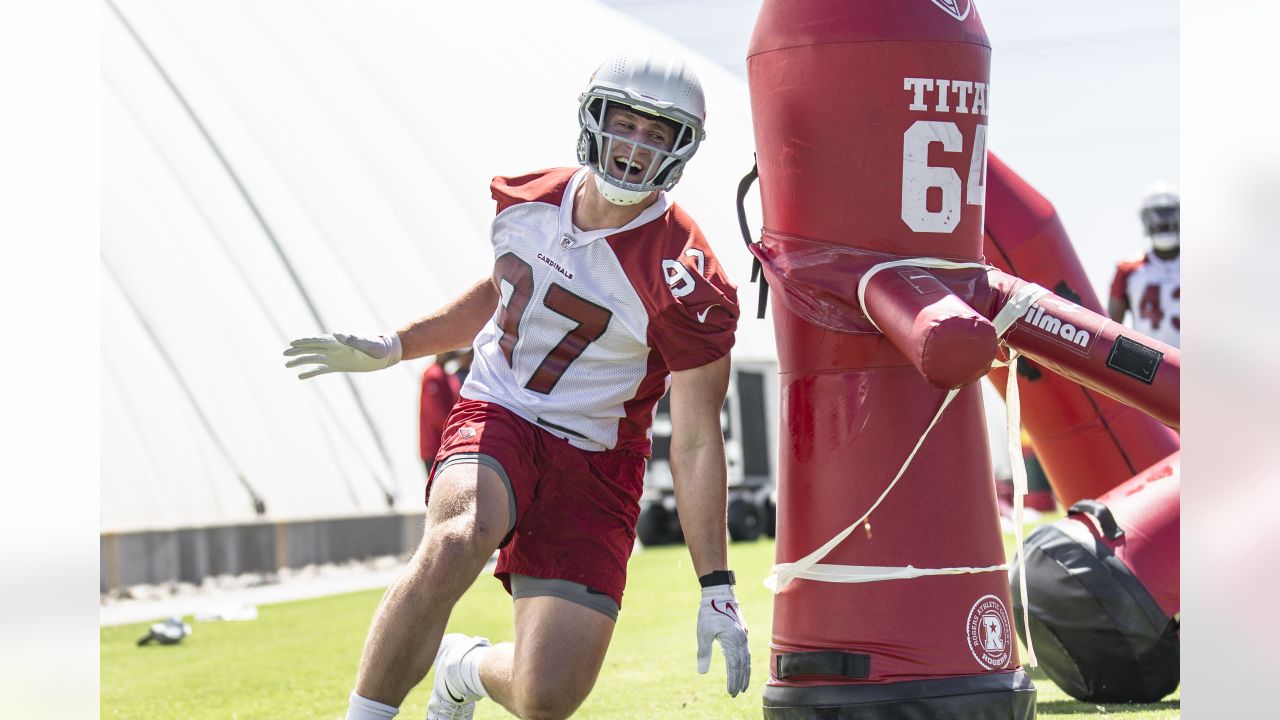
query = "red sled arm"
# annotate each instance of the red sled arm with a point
(1094, 351)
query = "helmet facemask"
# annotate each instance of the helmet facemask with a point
(1161, 223)
(596, 146)
(1161, 212)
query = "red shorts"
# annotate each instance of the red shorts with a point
(575, 510)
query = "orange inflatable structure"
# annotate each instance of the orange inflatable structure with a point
(1087, 442)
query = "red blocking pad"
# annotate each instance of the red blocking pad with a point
(870, 122)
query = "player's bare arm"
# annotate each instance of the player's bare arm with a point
(452, 327)
(698, 462)
(1116, 308)
(698, 472)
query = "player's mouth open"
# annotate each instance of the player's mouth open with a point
(633, 168)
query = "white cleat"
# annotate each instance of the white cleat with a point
(450, 699)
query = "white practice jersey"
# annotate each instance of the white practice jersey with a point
(1152, 290)
(590, 324)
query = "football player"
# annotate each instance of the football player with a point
(441, 383)
(1150, 287)
(603, 294)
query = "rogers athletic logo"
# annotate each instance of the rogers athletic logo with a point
(958, 9)
(1077, 339)
(987, 631)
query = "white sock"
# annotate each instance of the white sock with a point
(469, 669)
(362, 708)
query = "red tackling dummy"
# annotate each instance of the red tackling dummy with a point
(870, 124)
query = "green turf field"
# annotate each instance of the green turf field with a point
(298, 660)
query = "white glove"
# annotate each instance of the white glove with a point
(344, 353)
(719, 618)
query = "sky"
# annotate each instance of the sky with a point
(1085, 100)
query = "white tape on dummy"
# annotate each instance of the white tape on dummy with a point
(877, 573)
(932, 263)
(1016, 307)
(784, 573)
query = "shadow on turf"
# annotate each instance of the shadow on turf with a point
(1073, 707)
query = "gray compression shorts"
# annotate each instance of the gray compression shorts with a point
(492, 463)
(524, 586)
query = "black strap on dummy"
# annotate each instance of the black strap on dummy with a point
(832, 663)
(1102, 515)
(757, 273)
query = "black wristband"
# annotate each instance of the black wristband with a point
(717, 577)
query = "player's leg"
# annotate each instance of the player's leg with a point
(559, 648)
(575, 521)
(467, 517)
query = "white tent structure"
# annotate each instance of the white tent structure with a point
(272, 170)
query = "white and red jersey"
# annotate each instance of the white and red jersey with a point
(1152, 290)
(591, 323)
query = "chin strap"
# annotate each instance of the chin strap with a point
(1164, 242)
(617, 195)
